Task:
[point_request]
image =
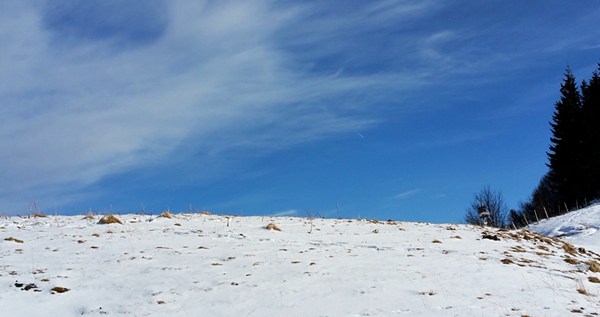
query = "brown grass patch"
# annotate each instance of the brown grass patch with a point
(89, 216)
(39, 215)
(527, 261)
(518, 249)
(571, 261)
(507, 261)
(436, 241)
(594, 266)
(206, 213)
(13, 239)
(272, 226)
(166, 214)
(58, 289)
(109, 219)
(594, 279)
(569, 248)
(547, 240)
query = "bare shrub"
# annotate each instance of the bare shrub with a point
(492, 202)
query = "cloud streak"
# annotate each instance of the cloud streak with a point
(406, 194)
(87, 96)
(212, 80)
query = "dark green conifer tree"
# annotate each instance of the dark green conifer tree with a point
(565, 173)
(591, 136)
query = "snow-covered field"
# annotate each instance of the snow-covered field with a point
(208, 265)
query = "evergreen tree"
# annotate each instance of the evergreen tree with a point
(591, 140)
(544, 200)
(565, 173)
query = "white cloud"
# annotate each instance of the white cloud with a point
(221, 77)
(290, 212)
(215, 81)
(407, 194)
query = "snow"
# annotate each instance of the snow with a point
(210, 265)
(581, 227)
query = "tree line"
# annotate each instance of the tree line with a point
(573, 177)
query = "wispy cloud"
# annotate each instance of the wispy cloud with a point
(406, 194)
(211, 80)
(291, 212)
(88, 93)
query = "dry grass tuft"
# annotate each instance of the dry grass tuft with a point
(571, 260)
(272, 226)
(89, 216)
(519, 249)
(166, 214)
(206, 213)
(436, 241)
(569, 248)
(39, 215)
(594, 279)
(543, 247)
(109, 219)
(13, 239)
(582, 290)
(60, 290)
(594, 266)
(507, 261)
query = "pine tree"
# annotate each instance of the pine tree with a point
(565, 174)
(591, 136)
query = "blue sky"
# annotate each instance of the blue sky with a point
(380, 109)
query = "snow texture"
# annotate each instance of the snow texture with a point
(209, 265)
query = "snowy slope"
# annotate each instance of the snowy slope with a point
(581, 227)
(207, 265)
